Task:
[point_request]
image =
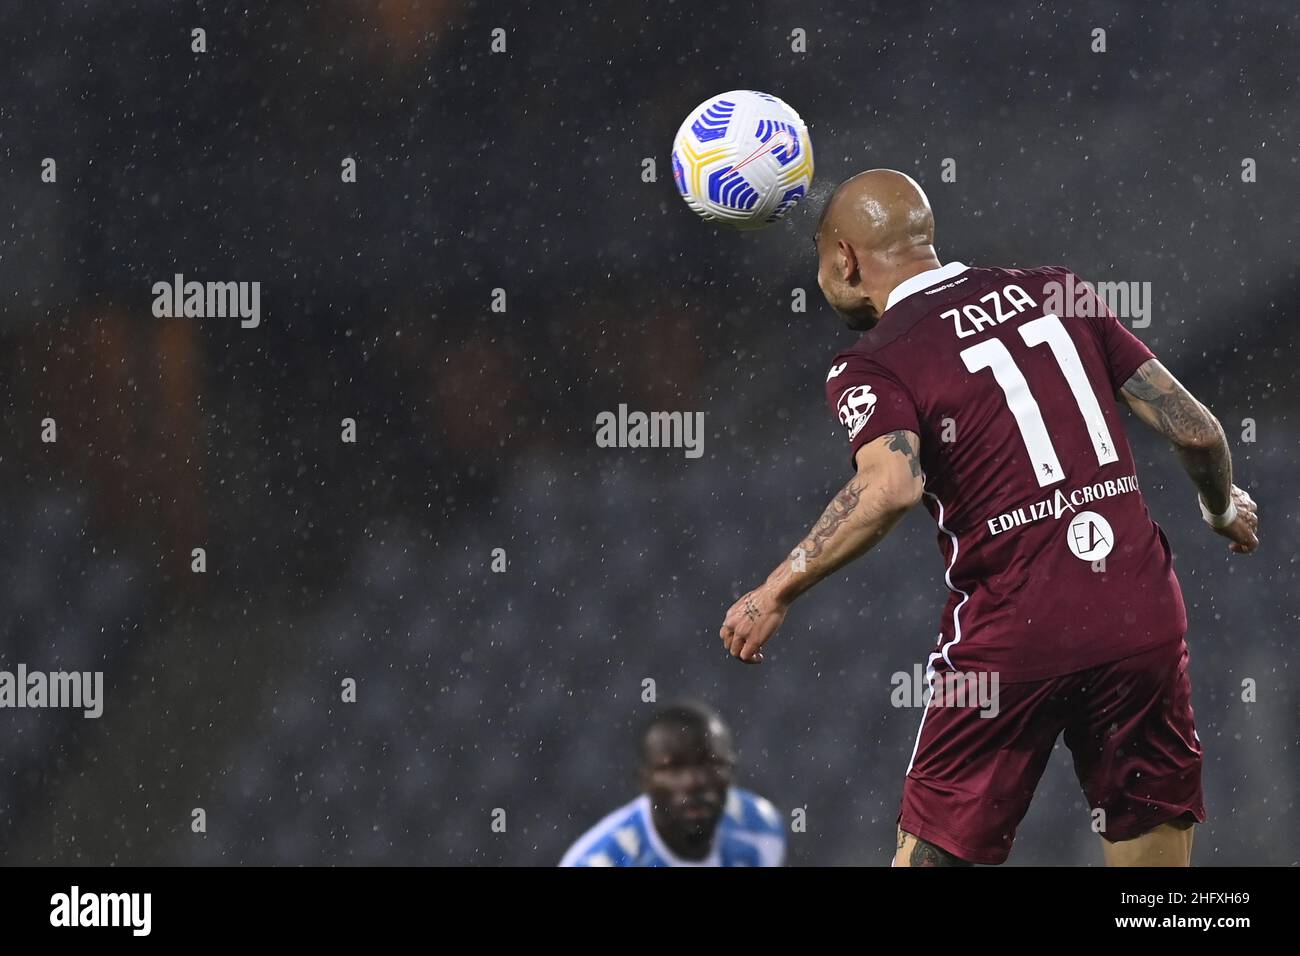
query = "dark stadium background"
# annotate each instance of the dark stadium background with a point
(522, 171)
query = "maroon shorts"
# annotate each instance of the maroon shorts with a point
(1129, 727)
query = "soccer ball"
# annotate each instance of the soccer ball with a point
(743, 158)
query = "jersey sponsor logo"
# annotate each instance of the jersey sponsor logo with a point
(855, 407)
(1061, 502)
(1089, 536)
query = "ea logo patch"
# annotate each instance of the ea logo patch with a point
(1089, 536)
(856, 406)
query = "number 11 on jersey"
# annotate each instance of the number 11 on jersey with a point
(993, 355)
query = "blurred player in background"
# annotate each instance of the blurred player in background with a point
(970, 390)
(688, 814)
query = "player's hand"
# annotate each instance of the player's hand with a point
(750, 622)
(1243, 533)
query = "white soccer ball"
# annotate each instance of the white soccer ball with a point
(743, 158)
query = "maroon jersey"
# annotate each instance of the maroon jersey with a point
(1052, 561)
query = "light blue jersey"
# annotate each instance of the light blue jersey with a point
(750, 833)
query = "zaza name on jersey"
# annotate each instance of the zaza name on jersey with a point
(977, 318)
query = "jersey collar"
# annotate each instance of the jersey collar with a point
(923, 281)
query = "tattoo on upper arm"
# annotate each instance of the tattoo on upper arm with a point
(901, 442)
(1171, 408)
(1142, 385)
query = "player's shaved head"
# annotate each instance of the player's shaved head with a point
(876, 230)
(879, 209)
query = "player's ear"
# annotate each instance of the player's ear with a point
(848, 261)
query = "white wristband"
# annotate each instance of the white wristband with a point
(1219, 521)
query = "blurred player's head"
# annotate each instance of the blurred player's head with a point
(876, 230)
(687, 759)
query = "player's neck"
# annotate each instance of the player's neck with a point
(925, 261)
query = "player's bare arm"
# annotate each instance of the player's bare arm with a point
(888, 482)
(1163, 403)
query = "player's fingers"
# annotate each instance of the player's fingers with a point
(1246, 546)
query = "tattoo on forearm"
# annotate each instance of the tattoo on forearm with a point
(830, 543)
(900, 442)
(836, 513)
(1171, 410)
